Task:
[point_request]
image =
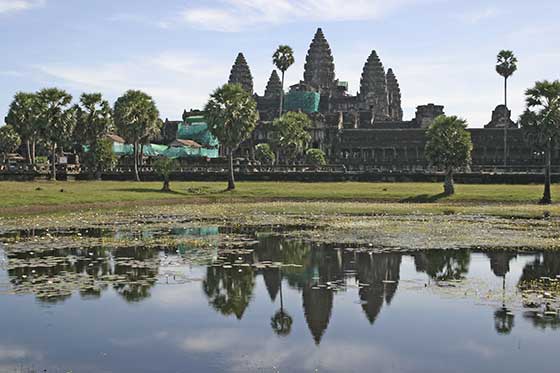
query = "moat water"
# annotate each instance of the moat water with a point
(277, 305)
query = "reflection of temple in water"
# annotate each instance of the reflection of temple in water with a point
(317, 271)
(376, 274)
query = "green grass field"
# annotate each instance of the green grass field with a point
(35, 197)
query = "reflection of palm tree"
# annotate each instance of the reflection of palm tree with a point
(229, 290)
(443, 265)
(503, 317)
(281, 322)
(503, 320)
(545, 265)
(139, 278)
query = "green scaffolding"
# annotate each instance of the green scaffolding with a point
(307, 102)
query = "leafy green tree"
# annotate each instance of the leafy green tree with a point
(9, 140)
(94, 120)
(164, 167)
(23, 117)
(449, 146)
(56, 119)
(264, 154)
(315, 157)
(102, 156)
(136, 116)
(506, 65)
(541, 122)
(289, 134)
(283, 58)
(232, 115)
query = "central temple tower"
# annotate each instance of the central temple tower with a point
(319, 64)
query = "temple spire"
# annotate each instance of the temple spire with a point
(394, 93)
(319, 64)
(373, 87)
(274, 85)
(241, 74)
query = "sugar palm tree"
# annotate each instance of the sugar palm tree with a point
(283, 58)
(231, 113)
(541, 122)
(506, 65)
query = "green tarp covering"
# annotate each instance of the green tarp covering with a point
(155, 150)
(198, 132)
(305, 101)
(186, 151)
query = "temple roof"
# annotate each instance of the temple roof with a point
(394, 92)
(274, 85)
(319, 63)
(373, 86)
(241, 74)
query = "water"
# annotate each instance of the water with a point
(277, 305)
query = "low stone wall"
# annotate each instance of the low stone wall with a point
(310, 176)
(303, 176)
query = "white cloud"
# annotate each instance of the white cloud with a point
(479, 15)
(137, 18)
(235, 15)
(7, 6)
(214, 340)
(176, 80)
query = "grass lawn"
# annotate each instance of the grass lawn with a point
(35, 197)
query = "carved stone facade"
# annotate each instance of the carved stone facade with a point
(501, 118)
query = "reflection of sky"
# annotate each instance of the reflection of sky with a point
(176, 330)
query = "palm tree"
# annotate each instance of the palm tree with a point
(541, 121)
(136, 115)
(506, 66)
(283, 58)
(23, 118)
(231, 113)
(56, 118)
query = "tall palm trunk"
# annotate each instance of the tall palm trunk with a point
(282, 95)
(28, 145)
(448, 186)
(547, 198)
(505, 124)
(231, 176)
(136, 174)
(33, 151)
(53, 162)
(166, 187)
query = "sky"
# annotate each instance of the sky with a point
(179, 51)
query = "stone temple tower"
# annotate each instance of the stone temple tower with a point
(394, 94)
(319, 64)
(274, 85)
(241, 74)
(373, 88)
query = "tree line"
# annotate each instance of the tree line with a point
(48, 118)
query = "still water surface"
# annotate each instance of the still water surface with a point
(277, 305)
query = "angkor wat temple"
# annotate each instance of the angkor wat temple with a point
(367, 130)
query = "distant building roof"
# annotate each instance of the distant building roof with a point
(115, 138)
(189, 143)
